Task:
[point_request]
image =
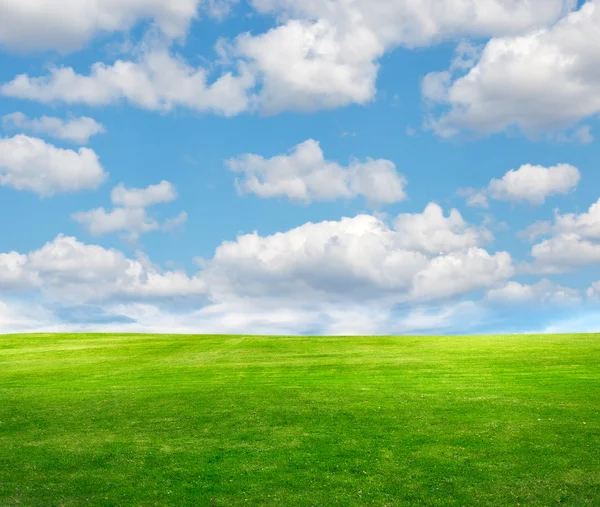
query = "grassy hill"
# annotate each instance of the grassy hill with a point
(225, 421)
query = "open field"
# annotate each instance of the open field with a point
(225, 421)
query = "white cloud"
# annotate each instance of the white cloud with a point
(359, 259)
(320, 55)
(304, 174)
(545, 291)
(133, 220)
(424, 22)
(70, 271)
(563, 253)
(30, 164)
(143, 197)
(130, 215)
(534, 183)
(503, 89)
(325, 54)
(585, 225)
(157, 81)
(529, 183)
(575, 242)
(304, 65)
(433, 233)
(66, 25)
(13, 273)
(354, 276)
(459, 273)
(76, 130)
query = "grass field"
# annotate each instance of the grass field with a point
(225, 421)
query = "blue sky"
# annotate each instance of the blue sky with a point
(342, 167)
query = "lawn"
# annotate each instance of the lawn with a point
(231, 420)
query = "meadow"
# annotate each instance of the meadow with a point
(299, 421)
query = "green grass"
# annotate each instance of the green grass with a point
(226, 421)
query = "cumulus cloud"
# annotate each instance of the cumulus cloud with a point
(30, 164)
(421, 23)
(564, 252)
(407, 276)
(64, 25)
(69, 270)
(315, 278)
(319, 55)
(586, 225)
(76, 130)
(305, 175)
(13, 272)
(433, 233)
(529, 183)
(157, 80)
(574, 242)
(502, 89)
(304, 66)
(544, 291)
(133, 220)
(325, 54)
(535, 183)
(110, 292)
(425, 257)
(130, 214)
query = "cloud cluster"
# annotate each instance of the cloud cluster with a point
(320, 55)
(323, 272)
(305, 175)
(356, 275)
(326, 54)
(67, 270)
(130, 213)
(502, 89)
(158, 80)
